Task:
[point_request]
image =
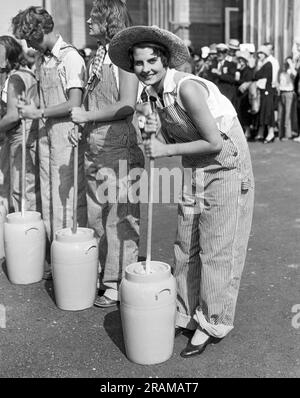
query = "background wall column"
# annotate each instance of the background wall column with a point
(78, 23)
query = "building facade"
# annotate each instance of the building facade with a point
(275, 21)
(199, 22)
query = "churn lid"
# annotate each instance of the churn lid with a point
(67, 235)
(28, 217)
(136, 272)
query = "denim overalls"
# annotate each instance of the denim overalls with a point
(11, 155)
(112, 152)
(214, 222)
(56, 156)
(32, 192)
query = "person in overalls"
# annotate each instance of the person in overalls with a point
(61, 74)
(111, 154)
(4, 147)
(215, 210)
(20, 82)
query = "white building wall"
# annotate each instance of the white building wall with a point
(78, 23)
(8, 9)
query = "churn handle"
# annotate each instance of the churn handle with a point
(90, 248)
(164, 290)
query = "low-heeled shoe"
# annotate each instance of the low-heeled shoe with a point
(105, 302)
(192, 350)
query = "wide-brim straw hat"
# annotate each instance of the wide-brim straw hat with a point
(222, 47)
(124, 40)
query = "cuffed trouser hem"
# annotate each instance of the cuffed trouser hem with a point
(111, 291)
(185, 321)
(219, 331)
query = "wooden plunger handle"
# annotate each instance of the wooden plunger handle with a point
(150, 200)
(150, 214)
(23, 194)
(75, 194)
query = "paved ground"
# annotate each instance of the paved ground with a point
(42, 341)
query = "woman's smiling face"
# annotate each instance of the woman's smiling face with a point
(148, 66)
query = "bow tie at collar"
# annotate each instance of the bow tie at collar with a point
(48, 53)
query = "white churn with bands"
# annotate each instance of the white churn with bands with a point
(148, 311)
(74, 259)
(25, 247)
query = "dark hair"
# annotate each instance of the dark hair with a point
(32, 23)
(112, 17)
(13, 53)
(158, 50)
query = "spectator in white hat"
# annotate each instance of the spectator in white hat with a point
(226, 73)
(264, 76)
(233, 46)
(210, 64)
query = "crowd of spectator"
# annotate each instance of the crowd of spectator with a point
(266, 95)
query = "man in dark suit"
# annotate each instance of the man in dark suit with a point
(226, 70)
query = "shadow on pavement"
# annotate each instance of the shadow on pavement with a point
(113, 327)
(49, 287)
(4, 268)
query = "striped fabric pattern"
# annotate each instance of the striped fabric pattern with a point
(213, 228)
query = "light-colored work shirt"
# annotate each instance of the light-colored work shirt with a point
(221, 108)
(71, 69)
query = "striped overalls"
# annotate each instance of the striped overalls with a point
(11, 155)
(214, 221)
(4, 159)
(32, 192)
(112, 152)
(56, 156)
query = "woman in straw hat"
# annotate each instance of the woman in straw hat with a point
(113, 149)
(264, 78)
(214, 216)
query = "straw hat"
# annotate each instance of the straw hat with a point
(247, 47)
(213, 49)
(234, 44)
(222, 47)
(123, 41)
(264, 50)
(244, 55)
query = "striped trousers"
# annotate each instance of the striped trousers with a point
(210, 248)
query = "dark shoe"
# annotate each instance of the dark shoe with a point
(179, 331)
(105, 302)
(261, 139)
(269, 140)
(192, 350)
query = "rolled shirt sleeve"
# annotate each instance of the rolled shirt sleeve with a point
(74, 71)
